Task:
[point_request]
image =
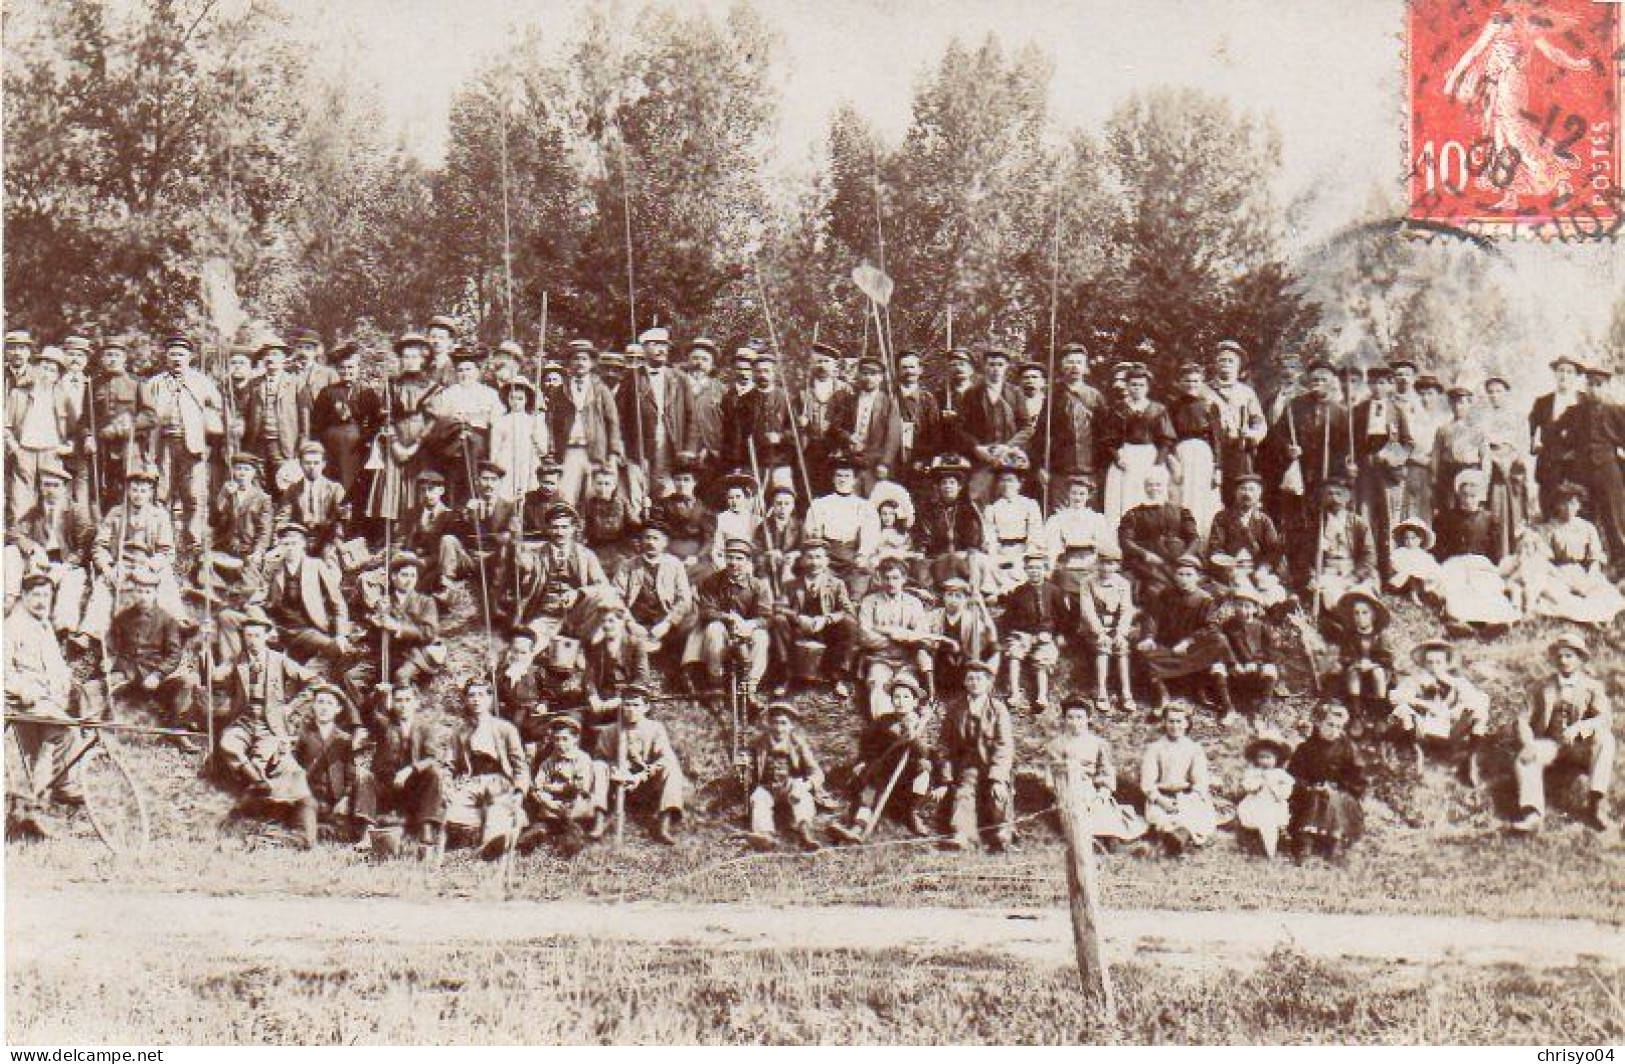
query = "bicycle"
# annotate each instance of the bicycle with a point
(113, 802)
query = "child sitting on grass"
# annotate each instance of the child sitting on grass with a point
(1266, 791)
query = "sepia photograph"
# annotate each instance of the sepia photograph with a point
(813, 522)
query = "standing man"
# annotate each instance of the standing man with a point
(708, 392)
(39, 431)
(345, 415)
(922, 421)
(312, 372)
(868, 422)
(656, 408)
(109, 429)
(585, 423)
(987, 418)
(1554, 446)
(182, 409)
(978, 751)
(272, 418)
(1382, 445)
(1312, 431)
(816, 401)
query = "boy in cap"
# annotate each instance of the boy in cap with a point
(1106, 613)
(977, 749)
(894, 631)
(964, 633)
(894, 747)
(568, 795)
(643, 762)
(242, 523)
(429, 531)
(733, 636)
(1182, 639)
(1036, 616)
(1566, 722)
(316, 501)
(1439, 706)
(782, 773)
(1251, 657)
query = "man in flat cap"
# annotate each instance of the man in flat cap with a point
(242, 523)
(302, 595)
(585, 423)
(733, 636)
(977, 756)
(643, 761)
(986, 420)
(109, 428)
(708, 391)
(273, 415)
(184, 412)
(1567, 721)
(867, 423)
(54, 537)
(39, 682)
(657, 421)
(568, 797)
(147, 650)
(40, 428)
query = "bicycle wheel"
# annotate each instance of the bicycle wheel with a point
(114, 804)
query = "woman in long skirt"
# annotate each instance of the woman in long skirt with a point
(1330, 781)
(1139, 435)
(1197, 422)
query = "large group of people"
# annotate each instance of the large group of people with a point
(268, 554)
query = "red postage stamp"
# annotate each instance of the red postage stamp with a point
(1514, 112)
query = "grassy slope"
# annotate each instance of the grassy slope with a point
(1433, 845)
(593, 992)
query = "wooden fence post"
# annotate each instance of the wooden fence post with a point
(1082, 886)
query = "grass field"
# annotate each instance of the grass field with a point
(576, 991)
(1433, 845)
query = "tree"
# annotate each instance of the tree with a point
(140, 139)
(1201, 230)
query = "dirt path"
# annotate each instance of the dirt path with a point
(89, 924)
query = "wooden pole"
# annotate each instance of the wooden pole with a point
(1082, 886)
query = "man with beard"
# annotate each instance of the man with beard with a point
(867, 423)
(816, 402)
(708, 392)
(584, 423)
(658, 428)
(272, 419)
(345, 415)
(110, 425)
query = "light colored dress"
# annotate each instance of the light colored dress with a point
(1561, 573)
(1266, 793)
(1171, 764)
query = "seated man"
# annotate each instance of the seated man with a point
(964, 632)
(39, 683)
(654, 584)
(410, 767)
(490, 776)
(643, 761)
(241, 524)
(1567, 722)
(148, 654)
(53, 537)
(569, 791)
(779, 535)
(302, 595)
(817, 611)
(1244, 526)
(1036, 616)
(894, 631)
(1155, 536)
(1174, 776)
(733, 636)
(688, 522)
(559, 574)
(484, 534)
(136, 529)
(1346, 553)
(521, 696)
(614, 657)
(782, 772)
(257, 746)
(894, 764)
(1439, 706)
(410, 621)
(343, 790)
(977, 756)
